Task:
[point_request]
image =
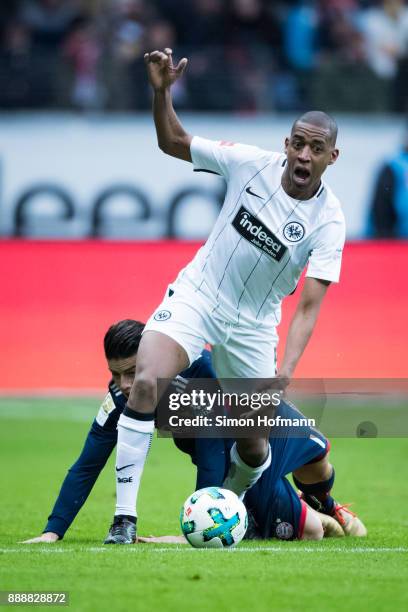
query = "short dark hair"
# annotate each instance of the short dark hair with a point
(320, 119)
(122, 339)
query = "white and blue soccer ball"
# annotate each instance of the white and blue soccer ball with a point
(213, 518)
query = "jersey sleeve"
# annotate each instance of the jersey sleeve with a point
(81, 478)
(106, 408)
(222, 157)
(111, 407)
(326, 255)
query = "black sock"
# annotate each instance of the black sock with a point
(132, 519)
(138, 416)
(317, 494)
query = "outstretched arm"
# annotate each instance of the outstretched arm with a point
(302, 324)
(171, 136)
(78, 483)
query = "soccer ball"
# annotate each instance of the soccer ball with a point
(213, 518)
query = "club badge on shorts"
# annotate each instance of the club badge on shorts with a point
(162, 315)
(284, 531)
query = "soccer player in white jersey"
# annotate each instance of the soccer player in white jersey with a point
(278, 217)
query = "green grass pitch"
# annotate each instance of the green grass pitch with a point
(39, 439)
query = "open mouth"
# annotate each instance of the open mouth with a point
(301, 174)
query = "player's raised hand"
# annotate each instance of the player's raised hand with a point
(160, 68)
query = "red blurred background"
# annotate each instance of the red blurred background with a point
(58, 299)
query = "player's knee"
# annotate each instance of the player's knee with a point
(145, 387)
(313, 529)
(253, 451)
(319, 471)
(323, 468)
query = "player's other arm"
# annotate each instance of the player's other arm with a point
(171, 136)
(302, 324)
(78, 483)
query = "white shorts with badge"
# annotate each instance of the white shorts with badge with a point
(238, 351)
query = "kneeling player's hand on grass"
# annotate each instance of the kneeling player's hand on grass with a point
(331, 528)
(45, 538)
(162, 540)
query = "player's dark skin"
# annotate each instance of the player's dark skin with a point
(310, 149)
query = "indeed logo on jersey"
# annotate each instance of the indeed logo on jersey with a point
(258, 234)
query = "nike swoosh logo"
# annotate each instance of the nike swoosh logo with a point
(248, 190)
(123, 467)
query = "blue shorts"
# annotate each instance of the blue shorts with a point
(276, 508)
(275, 511)
(273, 503)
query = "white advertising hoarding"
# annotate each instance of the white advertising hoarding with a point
(84, 158)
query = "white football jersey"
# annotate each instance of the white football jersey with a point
(263, 238)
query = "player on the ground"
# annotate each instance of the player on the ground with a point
(121, 344)
(278, 216)
(274, 508)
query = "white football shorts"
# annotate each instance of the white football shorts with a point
(238, 351)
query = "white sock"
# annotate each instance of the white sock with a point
(134, 440)
(242, 476)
